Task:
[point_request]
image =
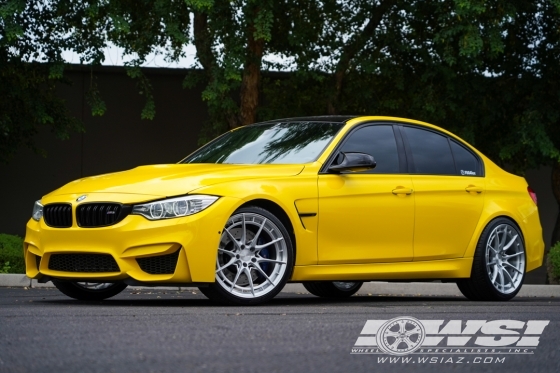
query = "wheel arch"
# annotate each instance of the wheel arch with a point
(483, 223)
(279, 212)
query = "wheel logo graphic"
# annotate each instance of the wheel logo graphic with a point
(401, 336)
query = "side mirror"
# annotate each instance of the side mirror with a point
(354, 162)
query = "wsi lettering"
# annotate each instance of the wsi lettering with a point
(404, 335)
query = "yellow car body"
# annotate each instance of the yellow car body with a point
(345, 227)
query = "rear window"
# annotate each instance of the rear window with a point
(466, 163)
(431, 153)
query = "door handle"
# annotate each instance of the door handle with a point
(402, 190)
(473, 189)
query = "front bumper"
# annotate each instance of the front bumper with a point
(195, 237)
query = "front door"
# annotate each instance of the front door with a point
(368, 216)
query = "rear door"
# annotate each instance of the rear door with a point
(448, 187)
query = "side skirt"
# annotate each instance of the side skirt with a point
(433, 269)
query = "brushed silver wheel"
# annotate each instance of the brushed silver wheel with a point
(499, 261)
(505, 258)
(254, 258)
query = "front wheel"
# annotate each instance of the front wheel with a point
(89, 290)
(334, 289)
(254, 261)
(498, 265)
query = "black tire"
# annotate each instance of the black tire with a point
(238, 280)
(480, 286)
(333, 289)
(77, 291)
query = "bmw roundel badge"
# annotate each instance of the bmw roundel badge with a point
(81, 198)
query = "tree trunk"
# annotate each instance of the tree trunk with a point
(203, 42)
(352, 48)
(250, 82)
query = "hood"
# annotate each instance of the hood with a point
(173, 179)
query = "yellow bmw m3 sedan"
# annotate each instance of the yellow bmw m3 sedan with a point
(328, 201)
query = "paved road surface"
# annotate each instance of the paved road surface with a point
(169, 331)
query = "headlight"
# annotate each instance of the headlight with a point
(37, 211)
(173, 207)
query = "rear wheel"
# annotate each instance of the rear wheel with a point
(89, 290)
(498, 265)
(334, 289)
(254, 261)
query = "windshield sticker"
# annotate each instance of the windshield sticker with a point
(465, 172)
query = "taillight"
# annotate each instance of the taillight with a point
(532, 194)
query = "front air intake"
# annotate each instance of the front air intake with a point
(58, 215)
(83, 263)
(159, 265)
(94, 215)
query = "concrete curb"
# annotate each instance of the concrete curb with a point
(369, 288)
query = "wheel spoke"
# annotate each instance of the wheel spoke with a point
(402, 326)
(232, 260)
(412, 332)
(509, 243)
(235, 280)
(513, 255)
(266, 260)
(514, 267)
(244, 230)
(503, 240)
(257, 235)
(264, 274)
(494, 273)
(260, 247)
(408, 342)
(227, 252)
(390, 333)
(231, 237)
(502, 280)
(510, 278)
(496, 243)
(395, 343)
(248, 273)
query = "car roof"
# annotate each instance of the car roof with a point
(319, 118)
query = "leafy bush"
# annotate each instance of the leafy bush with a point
(11, 254)
(553, 264)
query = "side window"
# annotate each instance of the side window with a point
(465, 162)
(378, 141)
(430, 152)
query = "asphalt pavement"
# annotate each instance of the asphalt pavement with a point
(154, 330)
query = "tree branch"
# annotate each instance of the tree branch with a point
(353, 47)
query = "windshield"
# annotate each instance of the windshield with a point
(278, 143)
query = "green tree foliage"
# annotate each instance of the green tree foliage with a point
(484, 69)
(27, 99)
(35, 33)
